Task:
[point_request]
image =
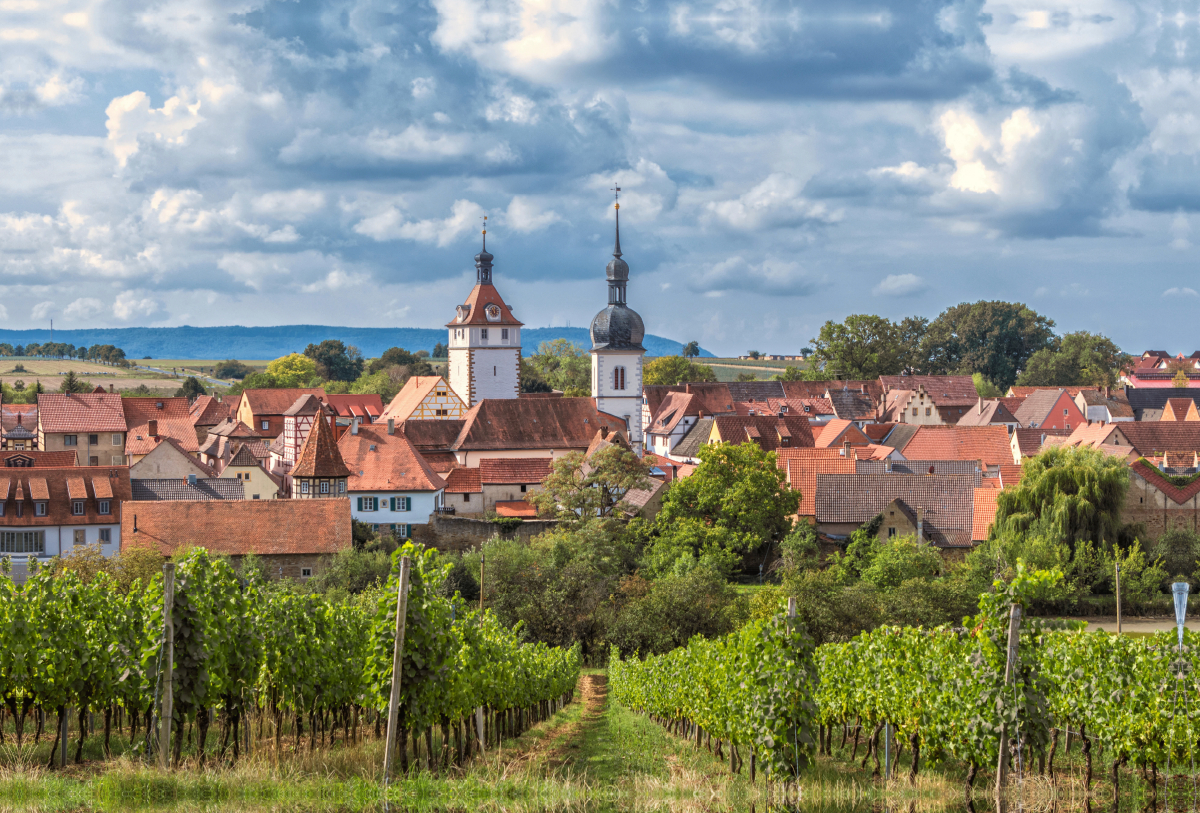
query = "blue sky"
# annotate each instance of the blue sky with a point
(212, 162)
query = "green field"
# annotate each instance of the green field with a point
(728, 369)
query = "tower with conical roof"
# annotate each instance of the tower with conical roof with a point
(320, 472)
(617, 333)
(485, 341)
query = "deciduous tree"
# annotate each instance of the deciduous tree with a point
(671, 370)
(992, 338)
(866, 346)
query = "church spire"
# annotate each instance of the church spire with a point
(617, 207)
(618, 270)
(483, 260)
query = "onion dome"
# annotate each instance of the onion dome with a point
(617, 327)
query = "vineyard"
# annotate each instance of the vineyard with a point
(938, 696)
(298, 667)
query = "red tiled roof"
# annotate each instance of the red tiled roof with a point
(356, 406)
(58, 487)
(513, 470)
(441, 462)
(714, 399)
(1155, 437)
(463, 481)
(238, 527)
(1029, 441)
(674, 408)
(947, 500)
(173, 417)
(208, 411)
(985, 413)
(838, 431)
(802, 467)
(1039, 404)
(382, 462)
(477, 301)
(266, 402)
(90, 412)
(433, 435)
(769, 431)
(1023, 392)
(984, 514)
(535, 423)
(61, 459)
(804, 407)
(1010, 475)
(1012, 402)
(320, 456)
(943, 390)
(515, 508)
(12, 415)
(987, 443)
(1177, 409)
(230, 428)
(1155, 478)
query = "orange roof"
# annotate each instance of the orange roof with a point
(275, 401)
(347, 405)
(515, 508)
(173, 417)
(984, 514)
(58, 487)
(514, 469)
(320, 456)
(39, 459)
(91, 412)
(208, 411)
(802, 467)
(1010, 475)
(804, 407)
(873, 451)
(482, 295)
(1025, 392)
(412, 394)
(838, 431)
(991, 444)
(464, 481)
(1180, 409)
(238, 527)
(382, 462)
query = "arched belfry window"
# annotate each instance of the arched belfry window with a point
(618, 378)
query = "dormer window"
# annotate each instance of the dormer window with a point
(39, 508)
(463, 312)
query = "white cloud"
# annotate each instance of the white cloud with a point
(512, 107)
(423, 87)
(41, 310)
(295, 204)
(3, 312)
(390, 224)
(900, 285)
(1180, 292)
(774, 203)
(83, 308)
(133, 304)
(335, 280)
(525, 215)
(771, 276)
(131, 117)
(964, 141)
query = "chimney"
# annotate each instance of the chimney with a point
(920, 524)
(112, 388)
(354, 427)
(191, 479)
(887, 465)
(864, 389)
(701, 414)
(979, 406)
(391, 426)
(687, 388)
(152, 427)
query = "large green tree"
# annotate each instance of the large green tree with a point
(565, 366)
(1078, 359)
(738, 489)
(336, 361)
(1075, 493)
(865, 346)
(579, 487)
(672, 370)
(288, 371)
(992, 338)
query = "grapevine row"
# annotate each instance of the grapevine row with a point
(241, 647)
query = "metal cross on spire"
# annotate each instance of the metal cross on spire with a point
(616, 190)
(485, 232)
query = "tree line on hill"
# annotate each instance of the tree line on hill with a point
(101, 353)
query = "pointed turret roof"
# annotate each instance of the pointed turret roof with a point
(320, 456)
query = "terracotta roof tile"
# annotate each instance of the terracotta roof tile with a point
(14, 415)
(238, 527)
(769, 431)
(714, 399)
(348, 405)
(537, 423)
(802, 467)
(1012, 402)
(515, 508)
(852, 404)
(987, 412)
(38, 459)
(265, 402)
(320, 456)
(433, 435)
(810, 408)
(837, 432)
(80, 413)
(943, 390)
(76, 488)
(51, 485)
(1010, 475)
(477, 301)
(206, 410)
(1037, 406)
(948, 501)
(172, 417)
(1029, 441)
(987, 443)
(464, 481)
(1022, 392)
(230, 428)
(984, 514)
(1154, 477)
(1155, 437)
(755, 390)
(1178, 409)
(381, 462)
(306, 404)
(513, 470)
(102, 487)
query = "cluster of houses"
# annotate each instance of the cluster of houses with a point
(280, 473)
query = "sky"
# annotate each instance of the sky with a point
(215, 162)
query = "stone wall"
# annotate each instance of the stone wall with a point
(1157, 512)
(446, 532)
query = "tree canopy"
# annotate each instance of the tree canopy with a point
(1078, 359)
(336, 361)
(565, 366)
(690, 350)
(866, 346)
(590, 487)
(671, 370)
(294, 370)
(191, 389)
(992, 338)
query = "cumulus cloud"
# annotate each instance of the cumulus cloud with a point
(41, 310)
(391, 224)
(771, 276)
(526, 215)
(83, 308)
(774, 203)
(131, 305)
(901, 285)
(131, 118)
(1171, 292)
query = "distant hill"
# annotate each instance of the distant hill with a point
(271, 342)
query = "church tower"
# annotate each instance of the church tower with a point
(617, 351)
(485, 341)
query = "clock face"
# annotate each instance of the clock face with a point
(492, 312)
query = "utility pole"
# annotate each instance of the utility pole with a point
(389, 749)
(168, 699)
(482, 565)
(1118, 598)
(1014, 628)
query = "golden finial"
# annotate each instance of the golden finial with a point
(616, 190)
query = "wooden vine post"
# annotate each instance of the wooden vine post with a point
(1118, 598)
(1014, 629)
(168, 698)
(389, 749)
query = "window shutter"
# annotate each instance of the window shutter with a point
(408, 503)
(360, 504)
(392, 503)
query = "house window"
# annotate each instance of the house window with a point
(116, 439)
(466, 498)
(70, 440)
(265, 425)
(39, 509)
(504, 334)
(106, 535)
(483, 334)
(304, 487)
(401, 503)
(93, 440)
(1064, 412)
(523, 488)
(20, 509)
(118, 460)
(785, 441)
(891, 532)
(23, 542)
(80, 536)
(341, 486)
(105, 507)
(368, 503)
(1, 509)
(324, 486)
(1068, 426)
(914, 412)
(403, 531)
(618, 378)
(77, 508)
(928, 411)
(306, 572)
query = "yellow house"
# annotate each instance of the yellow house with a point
(256, 483)
(425, 398)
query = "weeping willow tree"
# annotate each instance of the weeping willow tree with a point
(1076, 493)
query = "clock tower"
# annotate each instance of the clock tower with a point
(485, 341)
